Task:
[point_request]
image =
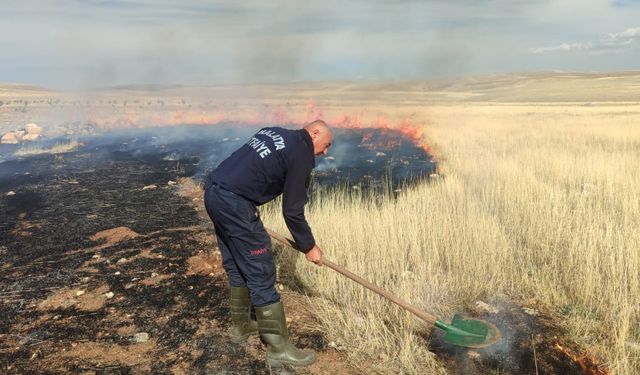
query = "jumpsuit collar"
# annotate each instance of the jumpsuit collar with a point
(306, 137)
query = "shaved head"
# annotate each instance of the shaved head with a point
(321, 135)
(318, 124)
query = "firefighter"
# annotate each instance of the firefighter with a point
(274, 161)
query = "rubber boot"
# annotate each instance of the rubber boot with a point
(273, 332)
(243, 326)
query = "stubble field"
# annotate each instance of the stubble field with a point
(540, 203)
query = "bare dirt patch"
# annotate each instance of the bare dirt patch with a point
(114, 235)
(154, 279)
(85, 301)
(131, 355)
(26, 228)
(61, 299)
(148, 253)
(204, 263)
(126, 331)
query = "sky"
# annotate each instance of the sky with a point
(81, 44)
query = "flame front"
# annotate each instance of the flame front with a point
(260, 114)
(588, 365)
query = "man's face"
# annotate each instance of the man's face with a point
(321, 142)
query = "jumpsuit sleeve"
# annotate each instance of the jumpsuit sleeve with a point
(294, 199)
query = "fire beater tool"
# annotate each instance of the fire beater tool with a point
(470, 333)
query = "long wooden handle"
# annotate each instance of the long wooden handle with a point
(405, 305)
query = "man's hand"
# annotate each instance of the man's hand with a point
(315, 255)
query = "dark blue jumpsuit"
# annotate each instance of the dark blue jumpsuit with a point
(274, 161)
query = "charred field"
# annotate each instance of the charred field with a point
(105, 269)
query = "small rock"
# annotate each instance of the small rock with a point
(140, 337)
(153, 274)
(379, 153)
(171, 183)
(10, 193)
(79, 293)
(117, 273)
(149, 187)
(485, 307)
(96, 256)
(129, 286)
(190, 287)
(280, 287)
(109, 295)
(85, 279)
(473, 355)
(121, 260)
(30, 137)
(531, 312)
(11, 138)
(32, 128)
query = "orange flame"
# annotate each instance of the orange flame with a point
(265, 114)
(588, 365)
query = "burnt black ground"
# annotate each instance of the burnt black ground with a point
(60, 201)
(70, 198)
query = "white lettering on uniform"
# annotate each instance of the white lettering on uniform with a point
(278, 141)
(264, 152)
(259, 146)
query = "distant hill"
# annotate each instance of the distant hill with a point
(543, 87)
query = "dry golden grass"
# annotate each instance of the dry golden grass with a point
(59, 148)
(537, 202)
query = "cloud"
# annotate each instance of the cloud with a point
(625, 35)
(624, 3)
(611, 43)
(88, 43)
(560, 47)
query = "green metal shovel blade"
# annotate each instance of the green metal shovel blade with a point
(470, 333)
